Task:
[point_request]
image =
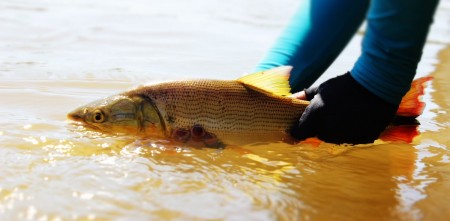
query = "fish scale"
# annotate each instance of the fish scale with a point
(225, 108)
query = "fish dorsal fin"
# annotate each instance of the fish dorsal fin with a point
(274, 81)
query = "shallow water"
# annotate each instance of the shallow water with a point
(56, 55)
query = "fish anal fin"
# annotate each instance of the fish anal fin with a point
(274, 81)
(411, 104)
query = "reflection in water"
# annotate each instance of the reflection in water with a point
(57, 55)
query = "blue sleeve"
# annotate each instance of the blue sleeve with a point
(316, 35)
(392, 46)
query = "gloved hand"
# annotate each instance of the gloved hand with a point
(343, 111)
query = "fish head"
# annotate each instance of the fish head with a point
(120, 115)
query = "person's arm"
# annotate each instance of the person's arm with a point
(313, 39)
(392, 47)
(356, 107)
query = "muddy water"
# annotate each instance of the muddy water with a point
(57, 55)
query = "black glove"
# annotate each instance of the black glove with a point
(343, 111)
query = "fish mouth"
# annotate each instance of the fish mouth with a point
(75, 116)
(78, 115)
(78, 121)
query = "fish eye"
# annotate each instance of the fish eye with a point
(98, 116)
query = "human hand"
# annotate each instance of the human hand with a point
(299, 95)
(343, 111)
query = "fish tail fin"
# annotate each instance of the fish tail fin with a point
(411, 104)
(405, 127)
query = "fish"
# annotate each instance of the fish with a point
(214, 113)
(253, 108)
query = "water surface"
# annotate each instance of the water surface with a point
(56, 55)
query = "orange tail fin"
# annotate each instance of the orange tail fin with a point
(411, 105)
(405, 126)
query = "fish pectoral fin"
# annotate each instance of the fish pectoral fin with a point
(274, 81)
(197, 134)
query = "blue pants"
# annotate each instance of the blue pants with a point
(391, 49)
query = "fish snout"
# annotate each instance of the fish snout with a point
(76, 115)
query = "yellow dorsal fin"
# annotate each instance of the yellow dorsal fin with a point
(272, 81)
